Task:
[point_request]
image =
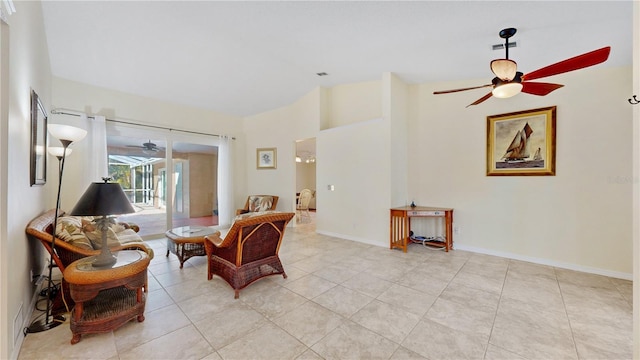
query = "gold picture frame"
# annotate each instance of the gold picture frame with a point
(522, 143)
(266, 158)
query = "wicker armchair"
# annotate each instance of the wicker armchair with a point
(41, 229)
(249, 251)
(258, 203)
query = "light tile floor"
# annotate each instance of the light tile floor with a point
(347, 300)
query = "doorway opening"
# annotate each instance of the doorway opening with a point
(306, 179)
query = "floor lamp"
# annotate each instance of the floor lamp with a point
(67, 135)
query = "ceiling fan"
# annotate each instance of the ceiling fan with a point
(509, 82)
(147, 148)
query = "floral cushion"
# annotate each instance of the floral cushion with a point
(252, 214)
(260, 203)
(69, 229)
(95, 237)
(83, 233)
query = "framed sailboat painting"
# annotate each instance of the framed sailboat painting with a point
(522, 143)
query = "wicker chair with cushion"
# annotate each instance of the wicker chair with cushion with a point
(249, 251)
(256, 203)
(75, 240)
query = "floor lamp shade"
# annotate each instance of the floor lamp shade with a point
(66, 132)
(103, 199)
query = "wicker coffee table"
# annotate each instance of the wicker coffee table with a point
(187, 241)
(107, 297)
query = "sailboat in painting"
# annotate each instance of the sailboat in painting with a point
(518, 150)
(517, 153)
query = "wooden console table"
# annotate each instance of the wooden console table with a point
(107, 297)
(401, 225)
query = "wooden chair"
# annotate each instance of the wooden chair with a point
(258, 203)
(249, 251)
(302, 208)
(41, 229)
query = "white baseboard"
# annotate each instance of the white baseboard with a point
(352, 238)
(28, 314)
(540, 261)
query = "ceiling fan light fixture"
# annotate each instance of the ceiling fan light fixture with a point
(149, 151)
(507, 90)
(504, 69)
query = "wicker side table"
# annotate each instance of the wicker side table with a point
(187, 241)
(107, 297)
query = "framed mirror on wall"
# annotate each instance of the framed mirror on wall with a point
(38, 141)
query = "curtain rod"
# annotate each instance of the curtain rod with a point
(77, 113)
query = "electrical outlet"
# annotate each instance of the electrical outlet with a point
(456, 230)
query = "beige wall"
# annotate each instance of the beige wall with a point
(351, 103)
(121, 106)
(279, 128)
(202, 184)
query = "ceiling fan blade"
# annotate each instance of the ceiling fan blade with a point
(577, 62)
(480, 100)
(539, 88)
(463, 89)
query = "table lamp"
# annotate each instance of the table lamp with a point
(103, 199)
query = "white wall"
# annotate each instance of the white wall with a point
(579, 218)
(29, 68)
(395, 107)
(122, 106)
(636, 186)
(354, 159)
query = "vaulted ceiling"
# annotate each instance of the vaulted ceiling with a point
(243, 58)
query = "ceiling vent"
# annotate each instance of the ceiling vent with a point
(501, 46)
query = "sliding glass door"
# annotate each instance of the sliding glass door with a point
(171, 180)
(195, 185)
(136, 164)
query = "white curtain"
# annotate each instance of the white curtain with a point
(225, 182)
(97, 158)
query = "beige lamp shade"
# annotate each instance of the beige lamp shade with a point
(66, 132)
(57, 151)
(507, 90)
(504, 69)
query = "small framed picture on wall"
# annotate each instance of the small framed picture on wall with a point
(266, 158)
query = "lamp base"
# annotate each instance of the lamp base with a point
(44, 326)
(106, 258)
